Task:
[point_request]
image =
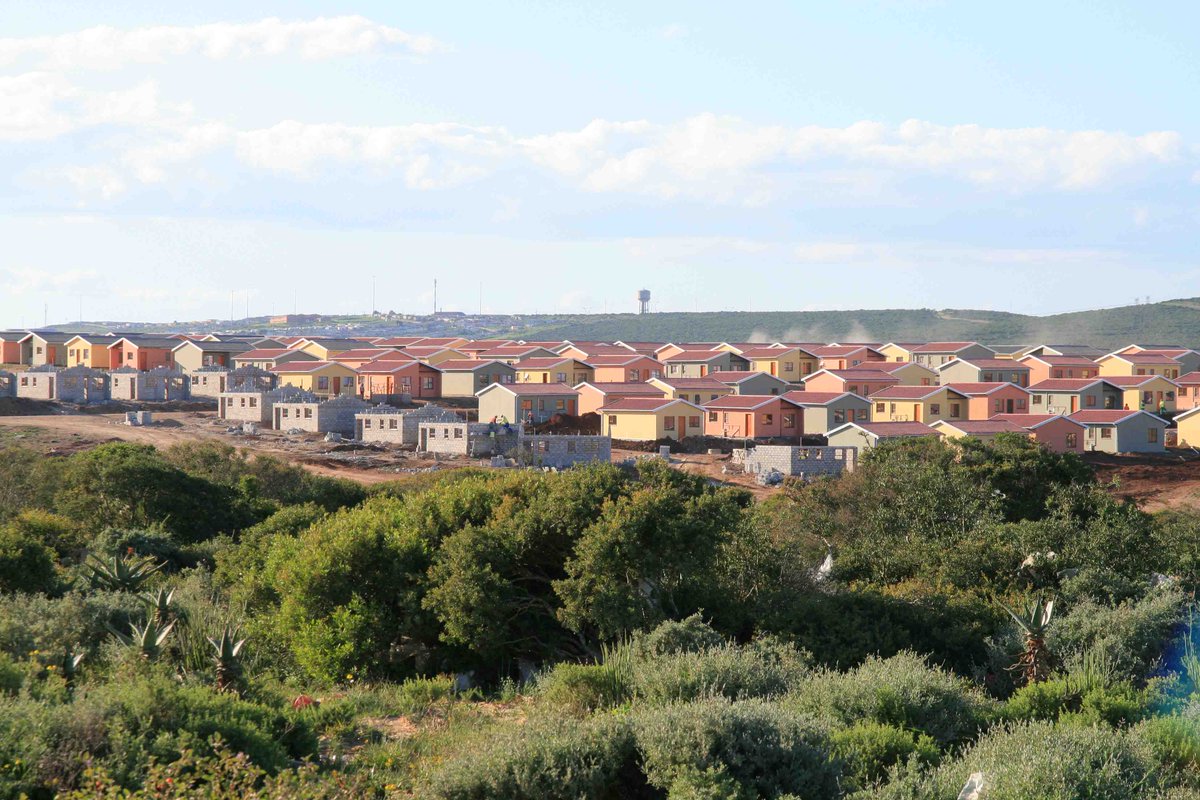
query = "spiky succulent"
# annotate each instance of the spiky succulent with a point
(161, 605)
(1034, 661)
(121, 574)
(227, 658)
(148, 640)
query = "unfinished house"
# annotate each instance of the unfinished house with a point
(208, 381)
(8, 384)
(561, 452)
(471, 439)
(390, 425)
(82, 385)
(336, 415)
(38, 383)
(800, 462)
(250, 403)
(159, 385)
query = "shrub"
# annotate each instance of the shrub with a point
(869, 749)
(582, 688)
(55, 625)
(1174, 742)
(26, 565)
(544, 760)
(764, 668)
(689, 635)
(1040, 760)
(902, 691)
(767, 749)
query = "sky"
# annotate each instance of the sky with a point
(165, 162)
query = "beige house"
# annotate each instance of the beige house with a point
(526, 402)
(465, 377)
(867, 435)
(553, 370)
(934, 354)
(1068, 395)
(909, 373)
(695, 390)
(746, 382)
(1143, 363)
(643, 419)
(594, 396)
(983, 370)
(700, 363)
(190, 356)
(821, 412)
(925, 404)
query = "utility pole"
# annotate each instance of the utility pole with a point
(435, 297)
(373, 307)
(232, 306)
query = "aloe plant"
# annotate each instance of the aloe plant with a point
(1034, 661)
(148, 639)
(69, 666)
(121, 574)
(227, 659)
(161, 604)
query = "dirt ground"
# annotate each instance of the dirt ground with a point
(1155, 482)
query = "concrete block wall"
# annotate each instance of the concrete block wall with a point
(38, 383)
(337, 415)
(381, 424)
(8, 384)
(561, 452)
(244, 407)
(208, 381)
(82, 385)
(412, 420)
(123, 383)
(808, 462)
(473, 439)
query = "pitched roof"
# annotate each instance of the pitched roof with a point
(529, 388)
(765, 353)
(644, 404)
(1062, 361)
(1105, 416)
(741, 402)
(907, 392)
(307, 366)
(691, 383)
(1065, 384)
(816, 398)
(510, 350)
(981, 427)
(979, 388)
(382, 367)
(888, 429)
(836, 350)
(696, 355)
(363, 353)
(1150, 358)
(541, 363)
(616, 360)
(1127, 381)
(1190, 378)
(469, 364)
(214, 347)
(895, 366)
(985, 363)
(1032, 421)
(271, 353)
(614, 387)
(861, 374)
(942, 347)
(739, 375)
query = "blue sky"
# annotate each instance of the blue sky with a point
(773, 156)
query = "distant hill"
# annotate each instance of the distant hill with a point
(1172, 321)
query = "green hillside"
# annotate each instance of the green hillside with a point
(1174, 321)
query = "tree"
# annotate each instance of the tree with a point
(26, 565)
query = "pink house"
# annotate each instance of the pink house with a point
(1188, 396)
(628, 367)
(751, 416)
(846, 356)
(385, 377)
(985, 400)
(1056, 432)
(862, 382)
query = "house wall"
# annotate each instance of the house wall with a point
(82, 385)
(805, 462)
(790, 367)
(885, 410)
(983, 407)
(832, 383)
(642, 426)
(1188, 432)
(8, 384)
(762, 384)
(36, 385)
(916, 375)
(208, 382)
(966, 373)
(10, 352)
(1061, 402)
(773, 420)
(1054, 435)
(466, 384)
(49, 353)
(472, 439)
(245, 407)
(500, 403)
(1133, 435)
(820, 420)
(1158, 396)
(563, 452)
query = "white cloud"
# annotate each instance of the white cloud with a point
(105, 47)
(27, 280)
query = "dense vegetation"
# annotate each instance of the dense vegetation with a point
(196, 622)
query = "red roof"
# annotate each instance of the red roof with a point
(1064, 361)
(863, 374)
(468, 364)
(941, 347)
(835, 350)
(1189, 378)
(885, 429)
(767, 352)
(738, 375)
(363, 354)
(814, 398)
(436, 342)
(1104, 416)
(692, 383)
(604, 351)
(1031, 421)
(615, 388)
(640, 404)
(308, 366)
(906, 392)
(381, 367)
(981, 388)
(696, 355)
(268, 354)
(540, 363)
(1147, 357)
(533, 388)
(989, 363)
(423, 351)
(895, 366)
(399, 341)
(615, 360)
(983, 427)
(742, 402)
(1126, 381)
(510, 350)
(1063, 384)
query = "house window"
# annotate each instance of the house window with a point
(283, 413)
(987, 377)
(879, 409)
(954, 410)
(789, 366)
(999, 406)
(1106, 433)
(612, 419)
(560, 377)
(1058, 373)
(1072, 441)
(24, 381)
(392, 425)
(1037, 399)
(323, 382)
(768, 419)
(1147, 397)
(1020, 402)
(1170, 395)
(712, 416)
(693, 422)
(308, 413)
(839, 414)
(71, 352)
(129, 357)
(1090, 402)
(427, 383)
(669, 424)
(458, 433)
(254, 402)
(570, 445)
(935, 409)
(789, 420)
(852, 389)
(1152, 435)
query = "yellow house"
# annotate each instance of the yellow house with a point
(570, 371)
(789, 363)
(926, 404)
(322, 378)
(1188, 425)
(897, 351)
(90, 351)
(323, 349)
(696, 390)
(648, 419)
(1152, 393)
(1146, 363)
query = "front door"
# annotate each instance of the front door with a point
(681, 427)
(545, 377)
(916, 412)
(337, 386)
(1074, 404)
(1008, 405)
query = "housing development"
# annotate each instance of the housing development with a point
(494, 397)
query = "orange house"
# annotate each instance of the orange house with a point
(847, 356)
(862, 382)
(594, 396)
(142, 352)
(384, 377)
(751, 416)
(1057, 433)
(1189, 392)
(10, 346)
(985, 400)
(626, 368)
(1049, 367)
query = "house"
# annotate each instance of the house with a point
(474, 347)
(1189, 360)
(451, 342)
(323, 349)
(433, 355)
(867, 435)
(1068, 395)
(322, 378)
(553, 370)
(918, 404)
(1078, 350)
(512, 353)
(821, 412)
(1188, 396)
(789, 363)
(90, 350)
(1153, 393)
(388, 425)
(270, 357)
(335, 415)
(38, 383)
(647, 419)
(983, 370)
(1188, 428)
(465, 377)
(746, 382)
(910, 373)
(39, 348)
(985, 400)
(190, 356)
(898, 351)
(211, 381)
(81, 385)
(847, 356)
(527, 402)
(1144, 363)
(696, 390)
(751, 417)
(1121, 431)
(10, 346)
(586, 351)
(142, 352)
(250, 403)
(159, 385)
(982, 429)
(700, 363)
(8, 383)
(594, 396)
(627, 368)
(862, 382)
(1053, 431)
(386, 378)
(1008, 352)
(934, 354)
(1053, 367)
(364, 355)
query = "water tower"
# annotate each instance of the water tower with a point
(644, 301)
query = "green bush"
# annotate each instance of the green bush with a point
(582, 688)
(902, 691)
(546, 759)
(54, 625)
(689, 635)
(26, 565)
(764, 668)
(869, 749)
(1174, 742)
(767, 749)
